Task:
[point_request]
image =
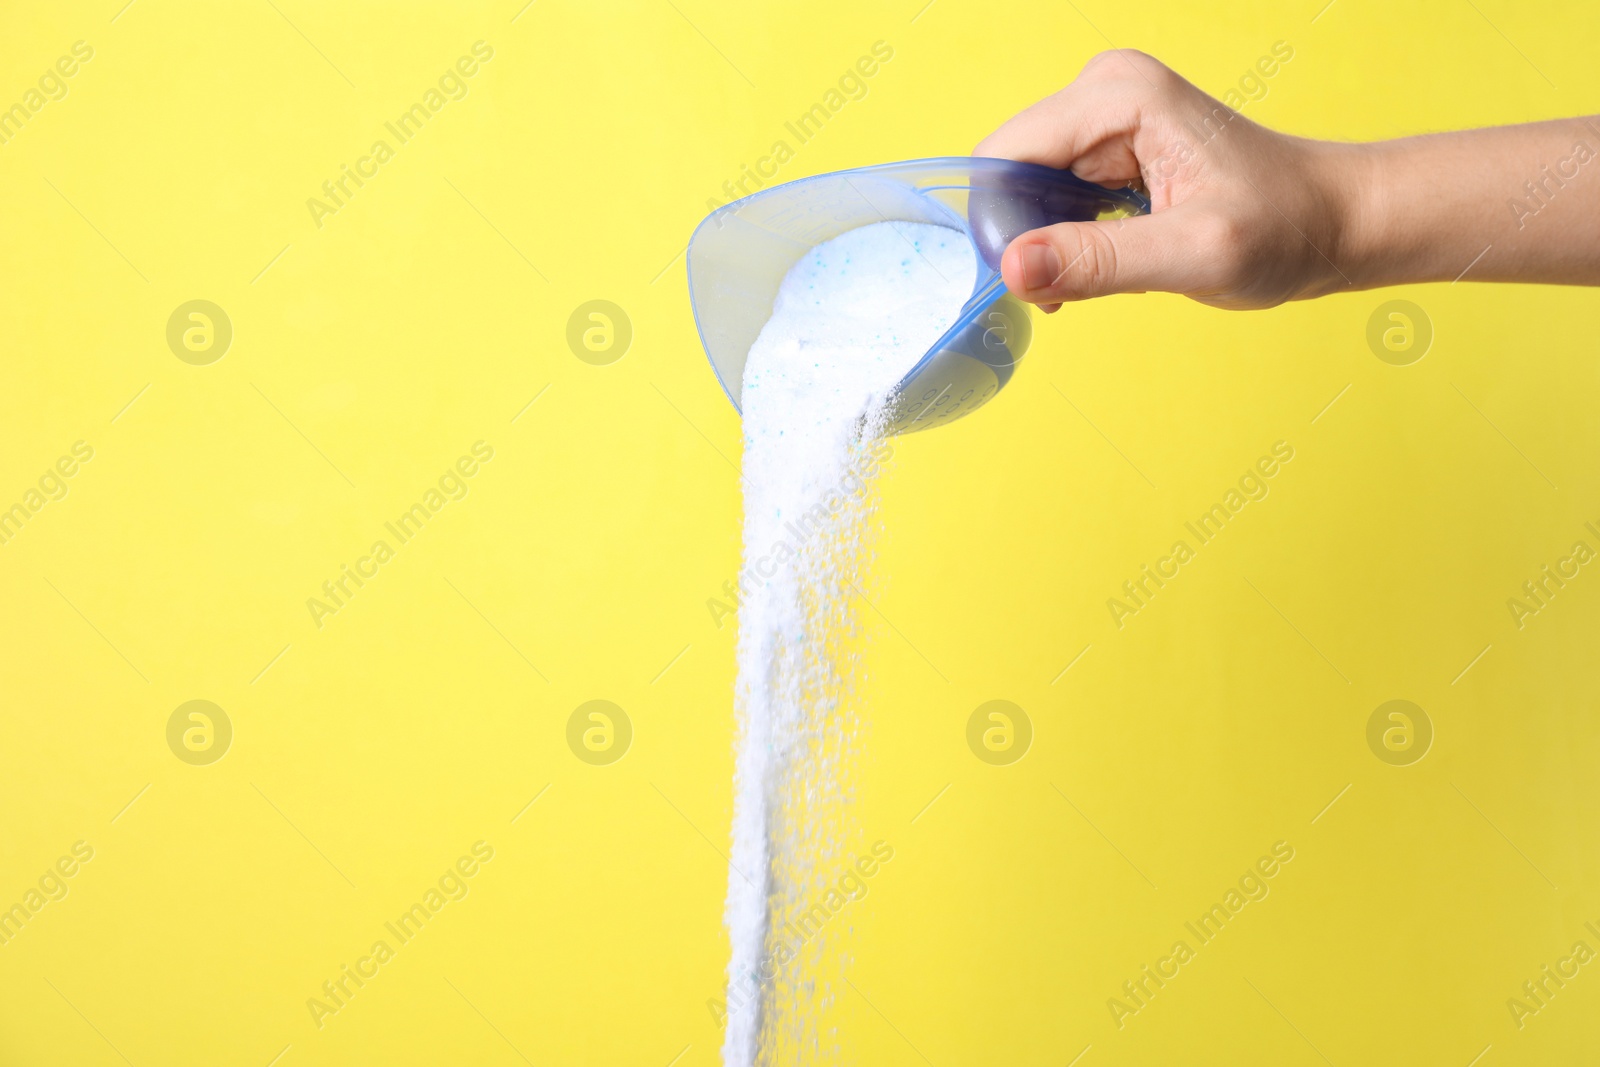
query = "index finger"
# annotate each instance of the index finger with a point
(1099, 110)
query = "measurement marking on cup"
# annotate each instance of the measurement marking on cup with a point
(930, 403)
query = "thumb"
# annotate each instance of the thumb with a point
(1077, 260)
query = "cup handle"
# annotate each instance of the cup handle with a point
(1009, 198)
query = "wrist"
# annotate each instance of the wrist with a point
(1355, 187)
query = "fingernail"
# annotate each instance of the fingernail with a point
(1040, 266)
(1049, 309)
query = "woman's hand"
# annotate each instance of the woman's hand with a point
(1245, 217)
(1242, 217)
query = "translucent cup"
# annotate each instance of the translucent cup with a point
(740, 253)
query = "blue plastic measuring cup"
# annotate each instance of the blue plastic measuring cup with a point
(740, 253)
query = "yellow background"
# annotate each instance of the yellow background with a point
(370, 753)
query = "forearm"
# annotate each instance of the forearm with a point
(1508, 204)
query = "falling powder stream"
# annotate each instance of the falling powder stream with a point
(852, 317)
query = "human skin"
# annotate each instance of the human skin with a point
(1246, 217)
